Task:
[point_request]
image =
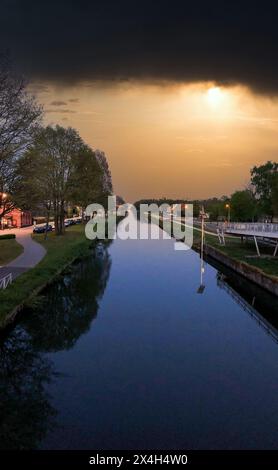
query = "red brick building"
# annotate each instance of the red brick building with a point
(17, 218)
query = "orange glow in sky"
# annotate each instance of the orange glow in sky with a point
(184, 141)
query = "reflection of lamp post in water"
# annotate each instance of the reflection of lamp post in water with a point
(202, 267)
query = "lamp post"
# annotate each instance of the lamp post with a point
(201, 289)
(2, 201)
(228, 207)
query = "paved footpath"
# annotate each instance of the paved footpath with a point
(32, 255)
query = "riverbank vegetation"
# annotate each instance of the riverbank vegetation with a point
(48, 170)
(61, 252)
(9, 250)
(257, 202)
(243, 250)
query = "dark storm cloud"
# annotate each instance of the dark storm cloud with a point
(229, 42)
(58, 103)
(61, 111)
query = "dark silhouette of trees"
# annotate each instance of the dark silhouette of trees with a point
(25, 371)
(60, 169)
(72, 304)
(19, 118)
(243, 206)
(25, 409)
(264, 182)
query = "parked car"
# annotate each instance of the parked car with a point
(42, 229)
(73, 221)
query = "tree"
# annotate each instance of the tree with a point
(60, 169)
(262, 179)
(52, 160)
(274, 195)
(216, 208)
(106, 187)
(86, 179)
(19, 118)
(243, 206)
(32, 184)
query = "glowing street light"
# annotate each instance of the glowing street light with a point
(228, 207)
(2, 200)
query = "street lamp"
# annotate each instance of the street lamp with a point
(229, 212)
(201, 288)
(2, 200)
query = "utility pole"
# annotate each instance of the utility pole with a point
(202, 267)
(229, 212)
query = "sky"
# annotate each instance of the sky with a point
(183, 98)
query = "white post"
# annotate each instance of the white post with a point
(202, 287)
(257, 247)
(202, 250)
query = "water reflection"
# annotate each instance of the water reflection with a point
(72, 303)
(271, 328)
(257, 302)
(25, 409)
(162, 386)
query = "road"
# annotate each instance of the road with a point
(32, 255)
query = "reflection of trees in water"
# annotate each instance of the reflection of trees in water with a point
(70, 305)
(25, 410)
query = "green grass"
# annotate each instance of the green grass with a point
(244, 251)
(9, 250)
(61, 251)
(7, 236)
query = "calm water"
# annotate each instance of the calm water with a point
(124, 354)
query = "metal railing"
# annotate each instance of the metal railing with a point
(252, 227)
(6, 280)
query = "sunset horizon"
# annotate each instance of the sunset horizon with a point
(191, 141)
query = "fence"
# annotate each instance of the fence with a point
(5, 281)
(252, 227)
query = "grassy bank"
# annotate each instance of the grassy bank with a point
(61, 251)
(244, 251)
(9, 250)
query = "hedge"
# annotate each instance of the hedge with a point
(7, 236)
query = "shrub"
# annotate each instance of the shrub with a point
(7, 236)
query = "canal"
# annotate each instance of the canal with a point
(123, 353)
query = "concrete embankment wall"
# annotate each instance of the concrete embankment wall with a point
(267, 282)
(270, 283)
